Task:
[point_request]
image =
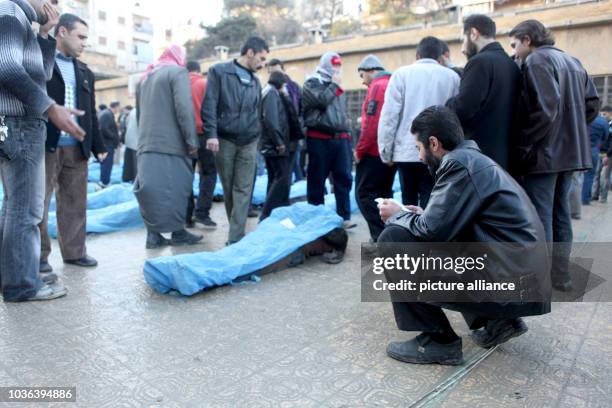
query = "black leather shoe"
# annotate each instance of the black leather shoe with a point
(423, 350)
(184, 237)
(48, 278)
(45, 267)
(86, 261)
(499, 331)
(156, 240)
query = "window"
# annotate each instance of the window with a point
(603, 84)
(102, 40)
(121, 20)
(121, 45)
(102, 15)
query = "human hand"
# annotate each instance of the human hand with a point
(281, 149)
(52, 19)
(388, 208)
(415, 209)
(102, 156)
(213, 145)
(192, 150)
(61, 117)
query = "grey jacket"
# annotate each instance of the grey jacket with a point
(166, 122)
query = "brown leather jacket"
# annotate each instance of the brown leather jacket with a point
(558, 101)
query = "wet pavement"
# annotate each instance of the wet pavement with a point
(300, 337)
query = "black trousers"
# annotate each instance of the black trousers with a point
(129, 166)
(417, 183)
(373, 179)
(201, 206)
(279, 170)
(427, 317)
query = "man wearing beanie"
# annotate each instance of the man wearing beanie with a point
(373, 178)
(327, 136)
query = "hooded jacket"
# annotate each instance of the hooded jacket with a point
(323, 103)
(370, 116)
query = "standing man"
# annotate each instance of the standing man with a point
(489, 91)
(110, 135)
(559, 99)
(206, 158)
(602, 177)
(26, 64)
(72, 85)
(327, 136)
(412, 89)
(373, 178)
(598, 132)
(297, 147)
(232, 127)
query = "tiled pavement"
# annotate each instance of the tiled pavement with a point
(299, 338)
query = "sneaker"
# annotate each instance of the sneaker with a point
(48, 278)
(184, 237)
(348, 224)
(252, 213)
(49, 292)
(206, 222)
(156, 240)
(499, 331)
(86, 262)
(576, 217)
(423, 350)
(45, 267)
(333, 257)
(102, 185)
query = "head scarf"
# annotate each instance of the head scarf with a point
(173, 55)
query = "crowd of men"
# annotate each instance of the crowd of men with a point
(531, 123)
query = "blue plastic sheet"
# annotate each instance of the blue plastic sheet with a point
(94, 173)
(113, 209)
(273, 240)
(298, 189)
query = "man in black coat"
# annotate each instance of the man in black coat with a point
(473, 200)
(489, 90)
(558, 101)
(110, 135)
(72, 85)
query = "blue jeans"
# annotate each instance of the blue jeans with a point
(327, 156)
(22, 166)
(106, 167)
(550, 196)
(589, 176)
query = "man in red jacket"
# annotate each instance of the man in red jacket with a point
(206, 158)
(374, 178)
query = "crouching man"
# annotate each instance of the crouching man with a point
(473, 200)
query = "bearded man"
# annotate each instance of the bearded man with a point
(489, 90)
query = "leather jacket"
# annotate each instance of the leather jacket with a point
(475, 200)
(323, 105)
(558, 101)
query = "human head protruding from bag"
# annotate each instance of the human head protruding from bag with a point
(330, 65)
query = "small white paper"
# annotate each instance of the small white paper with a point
(287, 223)
(380, 201)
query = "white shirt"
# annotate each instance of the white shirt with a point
(411, 89)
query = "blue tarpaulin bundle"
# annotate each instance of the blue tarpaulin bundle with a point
(286, 230)
(113, 209)
(94, 173)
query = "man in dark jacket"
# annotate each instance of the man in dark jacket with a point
(72, 85)
(373, 178)
(473, 200)
(602, 176)
(598, 135)
(275, 140)
(489, 90)
(110, 135)
(231, 116)
(557, 102)
(327, 136)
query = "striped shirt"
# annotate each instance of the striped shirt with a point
(26, 62)
(66, 67)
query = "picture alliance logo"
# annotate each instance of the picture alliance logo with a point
(412, 264)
